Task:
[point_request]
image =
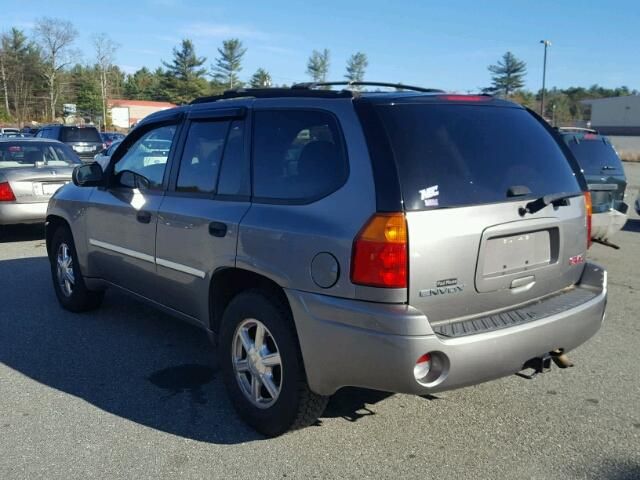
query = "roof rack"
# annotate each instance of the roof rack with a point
(273, 93)
(309, 89)
(399, 86)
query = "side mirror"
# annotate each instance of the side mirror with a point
(89, 175)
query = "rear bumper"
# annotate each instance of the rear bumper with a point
(606, 224)
(362, 344)
(13, 213)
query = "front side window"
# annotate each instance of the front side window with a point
(297, 155)
(146, 159)
(201, 158)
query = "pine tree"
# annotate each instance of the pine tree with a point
(356, 66)
(508, 75)
(260, 79)
(318, 65)
(229, 63)
(184, 79)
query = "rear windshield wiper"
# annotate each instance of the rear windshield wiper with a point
(555, 199)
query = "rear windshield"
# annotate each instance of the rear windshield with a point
(33, 154)
(455, 155)
(83, 134)
(595, 156)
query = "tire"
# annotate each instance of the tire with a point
(295, 406)
(77, 298)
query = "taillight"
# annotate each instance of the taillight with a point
(379, 257)
(589, 209)
(6, 194)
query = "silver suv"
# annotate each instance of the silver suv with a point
(407, 241)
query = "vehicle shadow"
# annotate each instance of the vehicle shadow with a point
(127, 359)
(21, 233)
(632, 225)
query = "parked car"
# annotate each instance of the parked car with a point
(31, 170)
(14, 135)
(605, 178)
(84, 140)
(6, 130)
(29, 131)
(103, 157)
(407, 241)
(109, 137)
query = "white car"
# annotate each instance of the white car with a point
(104, 156)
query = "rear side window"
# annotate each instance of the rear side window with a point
(594, 155)
(201, 157)
(234, 173)
(455, 155)
(80, 134)
(298, 155)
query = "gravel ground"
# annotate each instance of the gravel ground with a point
(127, 392)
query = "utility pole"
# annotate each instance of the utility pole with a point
(546, 43)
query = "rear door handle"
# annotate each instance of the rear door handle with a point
(143, 216)
(218, 229)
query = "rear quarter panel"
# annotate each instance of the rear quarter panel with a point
(281, 241)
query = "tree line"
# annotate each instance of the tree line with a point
(561, 106)
(41, 72)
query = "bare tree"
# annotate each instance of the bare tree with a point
(105, 56)
(55, 37)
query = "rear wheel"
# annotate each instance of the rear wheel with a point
(262, 366)
(68, 282)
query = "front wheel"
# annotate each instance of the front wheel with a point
(68, 282)
(262, 366)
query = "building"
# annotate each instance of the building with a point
(615, 115)
(125, 113)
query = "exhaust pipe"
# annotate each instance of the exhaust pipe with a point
(560, 359)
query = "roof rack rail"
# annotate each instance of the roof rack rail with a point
(400, 86)
(273, 93)
(576, 129)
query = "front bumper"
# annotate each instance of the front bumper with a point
(363, 344)
(13, 213)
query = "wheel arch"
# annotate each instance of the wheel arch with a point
(226, 283)
(51, 224)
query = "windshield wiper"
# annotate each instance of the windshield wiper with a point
(555, 199)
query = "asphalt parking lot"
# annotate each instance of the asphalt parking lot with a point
(127, 392)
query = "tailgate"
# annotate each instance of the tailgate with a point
(472, 260)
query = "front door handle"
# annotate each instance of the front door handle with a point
(218, 229)
(143, 216)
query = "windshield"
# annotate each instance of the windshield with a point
(31, 154)
(595, 156)
(452, 155)
(80, 134)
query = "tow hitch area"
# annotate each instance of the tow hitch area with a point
(543, 364)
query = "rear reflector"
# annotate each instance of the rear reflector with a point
(379, 257)
(589, 209)
(422, 367)
(6, 194)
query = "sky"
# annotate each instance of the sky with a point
(440, 44)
